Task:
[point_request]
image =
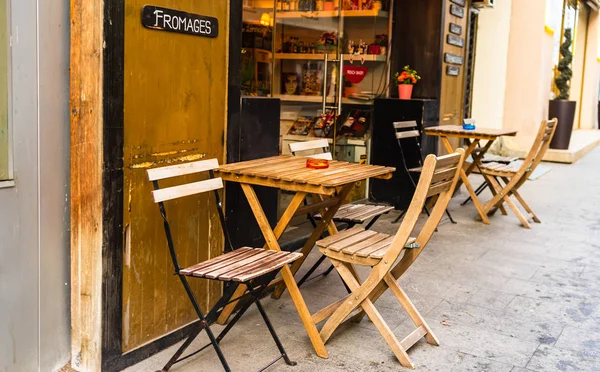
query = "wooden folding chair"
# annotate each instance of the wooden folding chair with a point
(252, 267)
(410, 130)
(381, 252)
(351, 214)
(514, 175)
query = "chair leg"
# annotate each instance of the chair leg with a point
(369, 308)
(512, 205)
(209, 332)
(312, 270)
(478, 191)
(274, 334)
(410, 308)
(450, 217)
(524, 204)
(400, 216)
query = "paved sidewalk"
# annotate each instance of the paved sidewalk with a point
(498, 297)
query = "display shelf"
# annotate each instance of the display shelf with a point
(283, 14)
(321, 57)
(342, 141)
(319, 99)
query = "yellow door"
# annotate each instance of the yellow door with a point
(175, 110)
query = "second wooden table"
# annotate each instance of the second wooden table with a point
(473, 137)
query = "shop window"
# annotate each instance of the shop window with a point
(5, 135)
(257, 45)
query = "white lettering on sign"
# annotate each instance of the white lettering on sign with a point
(354, 72)
(178, 21)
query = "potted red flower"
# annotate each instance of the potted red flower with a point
(405, 80)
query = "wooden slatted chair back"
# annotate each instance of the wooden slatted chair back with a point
(439, 177)
(538, 149)
(321, 145)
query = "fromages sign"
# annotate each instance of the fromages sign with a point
(164, 19)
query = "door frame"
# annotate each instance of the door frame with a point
(97, 139)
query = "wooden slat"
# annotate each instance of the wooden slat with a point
(447, 161)
(353, 175)
(357, 211)
(405, 124)
(274, 265)
(374, 213)
(407, 134)
(378, 254)
(180, 191)
(309, 145)
(339, 236)
(458, 131)
(365, 243)
(234, 167)
(333, 170)
(182, 169)
(269, 163)
(375, 247)
(226, 256)
(317, 175)
(439, 188)
(308, 173)
(201, 272)
(311, 208)
(416, 170)
(338, 246)
(444, 175)
(234, 265)
(325, 155)
(413, 338)
(253, 266)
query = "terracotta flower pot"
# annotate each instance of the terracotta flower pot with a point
(405, 91)
(348, 91)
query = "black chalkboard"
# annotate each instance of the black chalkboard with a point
(171, 20)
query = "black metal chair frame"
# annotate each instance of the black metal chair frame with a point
(407, 126)
(256, 289)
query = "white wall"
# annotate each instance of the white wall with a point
(530, 67)
(588, 118)
(34, 252)
(491, 62)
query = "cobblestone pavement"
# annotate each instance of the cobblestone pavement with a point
(498, 297)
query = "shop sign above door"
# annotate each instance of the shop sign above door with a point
(171, 20)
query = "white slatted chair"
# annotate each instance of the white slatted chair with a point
(251, 267)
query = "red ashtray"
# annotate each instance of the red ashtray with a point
(313, 163)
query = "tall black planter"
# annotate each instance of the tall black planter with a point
(564, 111)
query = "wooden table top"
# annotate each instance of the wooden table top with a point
(459, 132)
(290, 173)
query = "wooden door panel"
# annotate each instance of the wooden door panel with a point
(174, 111)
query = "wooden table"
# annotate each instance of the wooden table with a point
(472, 137)
(328, 189)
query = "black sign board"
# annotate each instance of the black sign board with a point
(459, 2)
(453, 58)
(455, 29)
(456, 41)
(452, 71)
(171, 20)
(457, 11)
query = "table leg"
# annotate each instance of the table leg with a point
(465, 180)
(325, 223)
(286, 273)
(279, 230)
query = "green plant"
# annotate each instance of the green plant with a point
(408, 76)
(247, 72)
(563, 80)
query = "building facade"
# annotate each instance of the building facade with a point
(34, 185)
(518, 46)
